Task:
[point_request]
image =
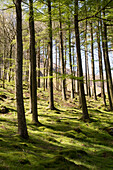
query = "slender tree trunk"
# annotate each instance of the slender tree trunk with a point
(100, 65)
(70, 62)
(22, 128)
(74, 85)
(65, 63)
(89, 89)
(51, 99)
(92, 63)
(33, 64)
(38, 64)
(62, 56)
(81, 84)
(10, 62)
(44, 61)
(86, 58)
(30, 84)
(47, 66)
(59, 84)
(4, 55)
(77, 79)
(56, 68)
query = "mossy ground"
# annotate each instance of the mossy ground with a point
(63, 142)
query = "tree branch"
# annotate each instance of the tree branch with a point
(95, 15)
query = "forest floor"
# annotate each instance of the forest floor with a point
(63, 141)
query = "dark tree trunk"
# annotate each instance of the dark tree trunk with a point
(81, 83)
(33, 64)
(92, 64)
(62, 56)
(22, 128)
(51, 99)
(107, 60)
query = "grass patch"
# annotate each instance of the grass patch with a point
(62, 142)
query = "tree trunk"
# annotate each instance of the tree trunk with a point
(44, 61)
(38, 64)
(51, 99)
(59, 72)
(62, 56)
(100, 65)
(107, 60)
(81, 84)
(92, 64)
(33, 64)
(22, 128)
(86, 59)
(65, 63)
(10, 62)
(74, 84)
(70, 63)
(4, 55)
(56, 68)
(47, 66)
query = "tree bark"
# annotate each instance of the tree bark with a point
(62, 56)
(22, 128)
(92, 63)
(33, 64)
(38, 64)
(51, 99)
(100, 65)
(86, 59)
(81, 84)
(70, 63)
(107, 60)
(44, 62)
(56, 68)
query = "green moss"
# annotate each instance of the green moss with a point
(62, 141)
